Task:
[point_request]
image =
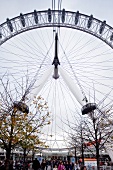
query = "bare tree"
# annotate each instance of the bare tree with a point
(96, 130)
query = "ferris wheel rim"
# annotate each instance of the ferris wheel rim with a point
(56, 18)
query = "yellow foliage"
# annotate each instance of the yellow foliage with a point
(21, 128)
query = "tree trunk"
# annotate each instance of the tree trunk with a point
(75, 155)
(7, 162)
(33, 155)
(82, 154)
(97, 156)
(24, 155)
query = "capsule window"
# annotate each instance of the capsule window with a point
(22, 19)
(9, 24)
(35, 17)
(76, 17)
(49, 15)
(111, 37)
(102, 26)
(90, 21)
(63, 15)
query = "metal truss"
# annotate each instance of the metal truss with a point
(56, 18)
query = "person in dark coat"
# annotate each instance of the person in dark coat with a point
(2, 167)
(36, 164)
(83, 168)
(43, 164)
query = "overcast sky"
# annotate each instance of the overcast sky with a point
(101, 9)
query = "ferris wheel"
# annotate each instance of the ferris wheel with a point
(66, 57)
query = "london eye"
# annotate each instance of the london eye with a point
(67, 58)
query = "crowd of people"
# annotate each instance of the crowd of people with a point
(44, 165)
(56, 165)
